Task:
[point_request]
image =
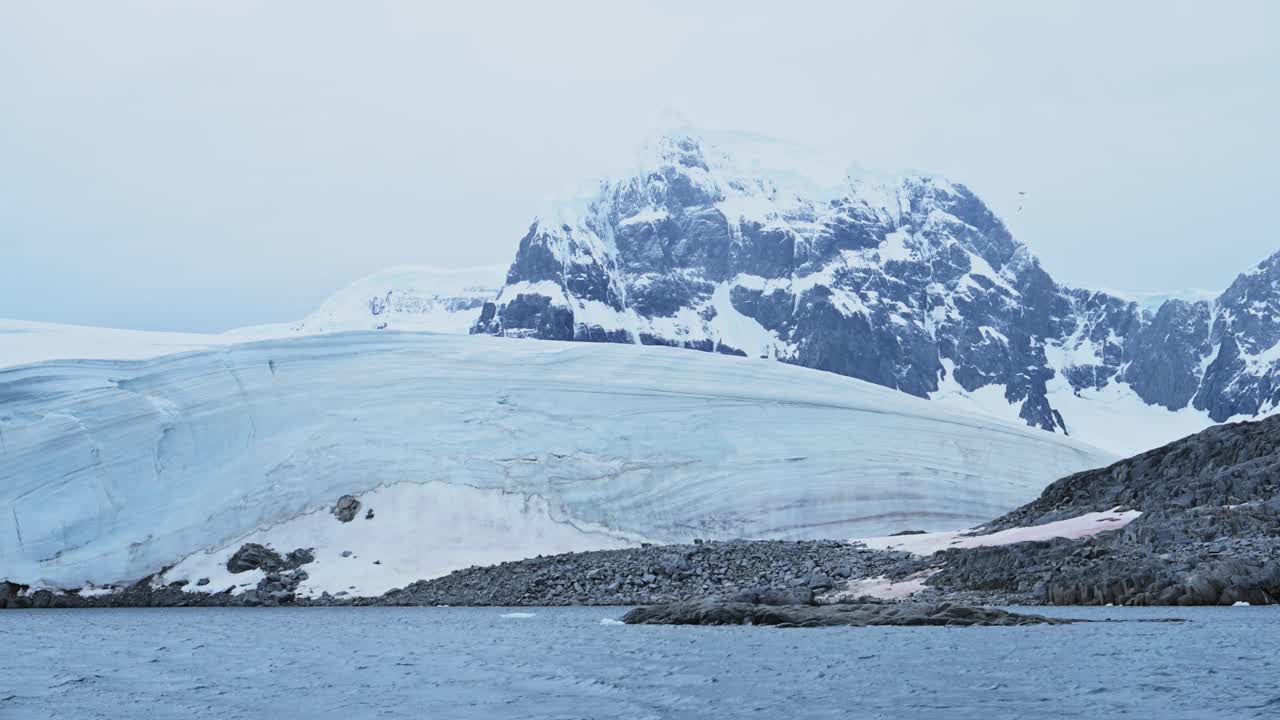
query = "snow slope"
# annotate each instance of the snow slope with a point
(1112, 417)
(111, 470)
(411, 297)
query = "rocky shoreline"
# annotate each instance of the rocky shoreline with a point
(802, 571)
(809, 573)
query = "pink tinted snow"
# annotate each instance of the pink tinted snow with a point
(1074, 528)
(927, 544)
(880, 587)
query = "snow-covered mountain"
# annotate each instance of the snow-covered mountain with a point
(908, 282)
(471, 449)
(411, 297)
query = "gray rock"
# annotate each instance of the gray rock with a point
(820, 581)
(346, 508)
(299, 557)
(775, 597)
(252, 556)
(860, 615)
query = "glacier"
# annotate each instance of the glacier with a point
(474, 449)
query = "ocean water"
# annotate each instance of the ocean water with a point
(578, 663)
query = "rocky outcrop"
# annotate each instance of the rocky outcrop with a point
(1107, 571)
(252, 556)
(1209, 533)
(1223, 467)
(11, 596)
(857, 615)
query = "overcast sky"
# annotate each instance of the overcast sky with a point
(205, 165)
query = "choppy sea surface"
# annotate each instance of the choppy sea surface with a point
(578, 663)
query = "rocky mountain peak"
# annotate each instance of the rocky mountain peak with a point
(739, 245)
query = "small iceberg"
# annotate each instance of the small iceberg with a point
(519, 615)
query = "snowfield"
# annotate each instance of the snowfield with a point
(23, 342)
(410, 297)
(472, 450)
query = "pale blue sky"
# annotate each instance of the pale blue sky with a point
(205, 165)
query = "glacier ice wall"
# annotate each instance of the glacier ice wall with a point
(111, 470)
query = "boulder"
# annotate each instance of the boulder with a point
(820, 581)
(252, 556)
(299, 557)
(346, 508)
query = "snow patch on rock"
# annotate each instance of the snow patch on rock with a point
(1076, 528)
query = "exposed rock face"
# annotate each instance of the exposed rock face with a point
(11, 596)
(1222, 466)
(252, 556)
(1241, 378)
(1166, 356)
(911, 283)
(1209, 533)
(861, 615)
